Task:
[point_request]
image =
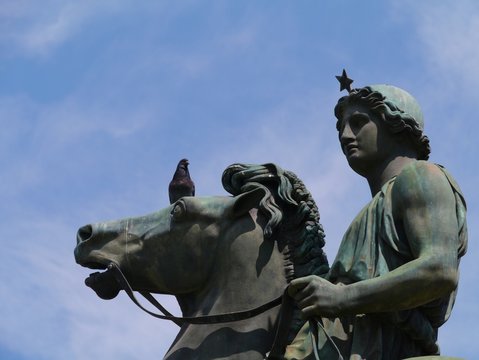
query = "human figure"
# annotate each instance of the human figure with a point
(394, 280)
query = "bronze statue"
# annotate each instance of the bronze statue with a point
(220, 256)
(394, 279)
(229, 259)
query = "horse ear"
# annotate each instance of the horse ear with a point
(245, 202)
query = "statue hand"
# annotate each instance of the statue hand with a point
(316, 296)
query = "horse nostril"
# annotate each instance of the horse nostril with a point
(84, 233)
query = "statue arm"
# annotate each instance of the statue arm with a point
(424, 211)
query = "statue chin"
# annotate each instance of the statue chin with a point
(104, 284)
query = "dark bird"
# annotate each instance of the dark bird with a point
(181, 184)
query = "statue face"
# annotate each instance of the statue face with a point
(365, 140)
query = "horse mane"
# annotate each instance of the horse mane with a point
(292, 218)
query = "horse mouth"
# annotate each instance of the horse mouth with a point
(103, 283)
(95, 266)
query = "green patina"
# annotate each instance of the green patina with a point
(390, 288)
(394, 279)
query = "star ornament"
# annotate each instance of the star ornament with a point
(344, 81)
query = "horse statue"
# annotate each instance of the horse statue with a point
(217, 255)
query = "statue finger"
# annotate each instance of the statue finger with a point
(296, 285)
(306, 302)
(308, 312)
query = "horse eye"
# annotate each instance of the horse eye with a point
(178, 211)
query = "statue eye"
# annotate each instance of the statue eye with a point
(178, 211)
(358, 120)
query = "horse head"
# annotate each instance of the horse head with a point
(215, 254)
(183, 236)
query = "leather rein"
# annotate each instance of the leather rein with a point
(284, 321)
(205, 319)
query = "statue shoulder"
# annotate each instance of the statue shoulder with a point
(421, 183)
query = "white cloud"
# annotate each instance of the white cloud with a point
(38, 27)
(44, 36)
(449, 32)
(72, 120)
(241, 38)
(38, 135)
(13, 9)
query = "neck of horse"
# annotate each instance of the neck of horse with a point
(248, 273)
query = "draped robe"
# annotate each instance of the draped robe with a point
(370, 248)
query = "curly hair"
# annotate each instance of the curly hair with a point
(292, 219)
(398, 121)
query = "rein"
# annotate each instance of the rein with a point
(281, 336)
(197, 320)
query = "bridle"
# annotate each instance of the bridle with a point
(285, 316)
(284, 321)
(197, 320)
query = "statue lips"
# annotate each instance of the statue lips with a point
(350, 149)
(104, 284)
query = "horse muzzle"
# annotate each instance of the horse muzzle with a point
(103, 283)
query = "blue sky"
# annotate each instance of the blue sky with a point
(100, 99)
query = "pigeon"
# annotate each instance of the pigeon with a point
(181, 184)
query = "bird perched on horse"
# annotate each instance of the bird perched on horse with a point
(181, 184)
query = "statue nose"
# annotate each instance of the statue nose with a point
(84, 233)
